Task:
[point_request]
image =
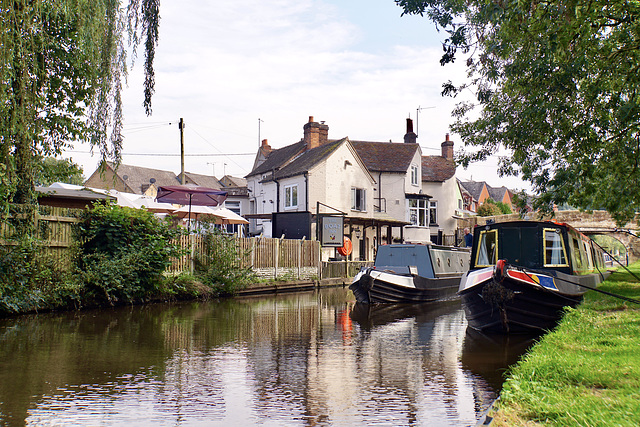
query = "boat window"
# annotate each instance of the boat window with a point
(587, 252)
(577, 256)
(554, 251)
(487, 248)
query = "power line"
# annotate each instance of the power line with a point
(171, 154)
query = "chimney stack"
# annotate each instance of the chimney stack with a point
(315, 134)
(447, 148)
(410, 137)
(265, 147)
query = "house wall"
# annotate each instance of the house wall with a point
(108, 181)
(447, 195)
(330, 182)
(264, 197)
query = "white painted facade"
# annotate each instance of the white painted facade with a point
(448, 199)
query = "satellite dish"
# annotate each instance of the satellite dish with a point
(152, 180)
(125, 177)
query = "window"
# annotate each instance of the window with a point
(433, 213)
(414, 175)
(418, 213)
(554, 252)
(358, 199)
(487, 248)
(290, 196)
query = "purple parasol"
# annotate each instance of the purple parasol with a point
(191, 195)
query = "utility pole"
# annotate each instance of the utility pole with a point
(181, 127)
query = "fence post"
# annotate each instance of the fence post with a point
(276, 258)
(192, 242)
(319, 259)
(300, 258)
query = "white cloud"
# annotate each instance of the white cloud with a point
(224, 65)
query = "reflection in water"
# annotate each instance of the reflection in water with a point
(302, 359)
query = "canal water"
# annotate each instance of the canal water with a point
(307, 359)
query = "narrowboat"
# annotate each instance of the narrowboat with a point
(411, 273)
(524, 273)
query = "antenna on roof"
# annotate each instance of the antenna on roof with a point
(418, 113)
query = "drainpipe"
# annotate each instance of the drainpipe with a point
(306, 192)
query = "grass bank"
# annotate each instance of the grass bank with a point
(584, 373)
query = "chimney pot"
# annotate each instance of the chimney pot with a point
(310, 119)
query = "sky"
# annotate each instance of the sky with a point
(241, 71)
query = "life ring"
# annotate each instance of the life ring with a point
(346, 248)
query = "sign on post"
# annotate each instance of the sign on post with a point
(331, 230)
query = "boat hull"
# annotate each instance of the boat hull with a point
(508, 303)
(371, 287)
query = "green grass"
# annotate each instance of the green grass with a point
(584, 373)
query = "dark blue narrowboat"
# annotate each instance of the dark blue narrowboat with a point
(524, 273)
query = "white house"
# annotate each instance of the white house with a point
(380, 188)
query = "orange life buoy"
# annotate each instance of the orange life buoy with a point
(346, 248)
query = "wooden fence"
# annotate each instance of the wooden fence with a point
(268, 257)
(272, 258)
(54, 225)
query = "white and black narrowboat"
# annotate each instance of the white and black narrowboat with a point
(410, 273)
(524, 273)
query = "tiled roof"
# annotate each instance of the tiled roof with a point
(497, 193)
(385, 156)
(308, 159)
(233, 181)
(437, 168)
(138, 179)
(278, 158)
(473, 187)
(202, 180)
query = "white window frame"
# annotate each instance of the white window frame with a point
(414, 174)
(358, 199)
(291, 196)
(433, 212)
(418, 212)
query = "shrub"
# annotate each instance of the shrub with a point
(219, 266)
(123, 253)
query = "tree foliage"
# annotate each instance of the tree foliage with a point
(62, 68)
(557, 83)
(52, 170)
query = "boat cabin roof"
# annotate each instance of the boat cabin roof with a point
(534, 244)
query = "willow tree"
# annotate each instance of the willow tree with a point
(557, 83)
(63, 64)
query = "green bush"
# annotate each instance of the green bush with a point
(123, 253)
(219, 266)
(492, 208)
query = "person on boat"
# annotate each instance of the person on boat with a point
(468, 237)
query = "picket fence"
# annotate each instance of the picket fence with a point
(267, 257)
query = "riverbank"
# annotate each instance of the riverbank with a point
(584, 373)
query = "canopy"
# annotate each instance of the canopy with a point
(151, 205)
(227, 216)
(196, 212)
(190, 195)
